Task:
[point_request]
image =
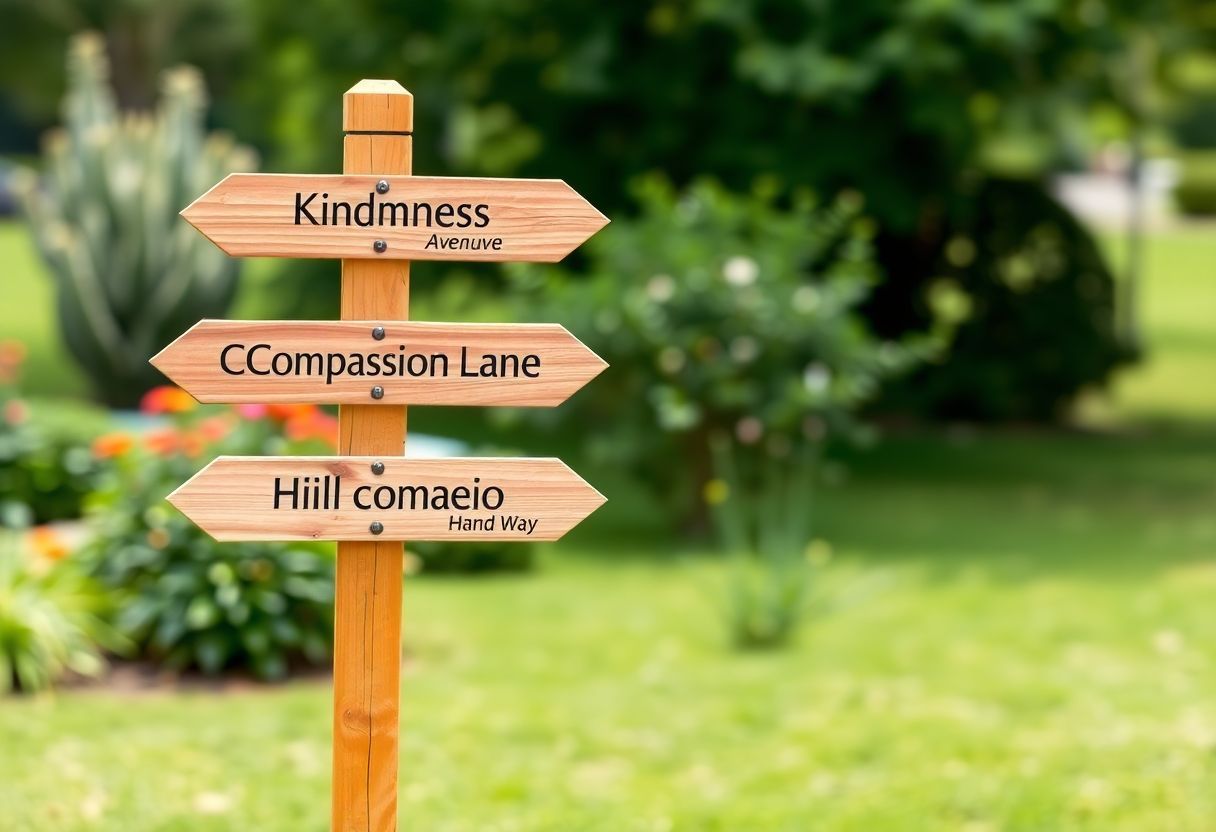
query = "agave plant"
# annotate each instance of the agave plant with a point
(130, 275)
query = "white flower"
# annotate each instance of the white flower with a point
(744, 349)
(661, 288)
(806, 299)
(671, 360)
(740, 271)
(749, 430)
(816, 378)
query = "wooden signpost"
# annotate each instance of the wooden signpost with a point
(342, 362)
(375, 217)
(354, 498)
(420, 218)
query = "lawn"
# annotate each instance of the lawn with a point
(1013, 633)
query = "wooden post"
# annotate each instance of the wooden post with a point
(377, 117)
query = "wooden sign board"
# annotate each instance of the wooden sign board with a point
(394, 217)
(340, 498)
(343, 362)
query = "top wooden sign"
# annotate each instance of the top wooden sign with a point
(394, 217)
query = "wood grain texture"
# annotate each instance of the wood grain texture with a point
(368, 598)
(233, 498)
(254, 215)
(440, 356)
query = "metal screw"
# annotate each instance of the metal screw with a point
(380, 246)
(377, 468)
(378, 333)
(377, 392)
(376, 527)
(382, 186)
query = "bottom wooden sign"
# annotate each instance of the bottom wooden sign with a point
(369, 498)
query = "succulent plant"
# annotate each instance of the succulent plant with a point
(130, 274)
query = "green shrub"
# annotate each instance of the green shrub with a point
(130, 275)
(1028, 295)
(448, 557)
(762, 507)
(718, 314)
(1195, 192)
(52, 617)
(186, 600)
(46, 468)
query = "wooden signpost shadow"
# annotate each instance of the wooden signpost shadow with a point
(372, 363)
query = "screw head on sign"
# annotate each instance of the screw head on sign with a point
(376, 527)
(380, 246)
(378, 333)
(382, 186)
(377, 468)
(377, 392)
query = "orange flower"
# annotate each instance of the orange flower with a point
(163, 442)
(167, 399)
(12, 353)
(16, 411)
(46, 543)
(215, 428)
(315, 425)
(192, 444)
(287, 412)
(110, 445)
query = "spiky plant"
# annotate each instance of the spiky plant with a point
(130, 275)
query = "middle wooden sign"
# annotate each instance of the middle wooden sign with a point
(365, 362)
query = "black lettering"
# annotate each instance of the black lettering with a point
(483, 215)
(370, 205)
(249, 359)
(444, 214)
(498, 500)
(359, 503)
(224, 359)
(531, 366)
(302, 208)
(279, 491)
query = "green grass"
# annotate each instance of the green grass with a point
(1177, 324)
(1015, 633)
(1016, 636)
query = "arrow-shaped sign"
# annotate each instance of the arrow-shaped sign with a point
(364, 362)
(344, 498)
(394, 217)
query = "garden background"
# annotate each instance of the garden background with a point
(909, 436)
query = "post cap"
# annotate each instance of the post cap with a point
(375, 106)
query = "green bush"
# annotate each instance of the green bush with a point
(187, 601)
(718, 314)
(52, 617)
(46, 467)
(130, 275)
(1028, 295)
(1195, 192)
(762, 507)
(448, 557)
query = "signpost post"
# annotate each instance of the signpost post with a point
(376, 217)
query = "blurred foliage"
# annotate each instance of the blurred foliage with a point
(913, 104)
(762, 510)
(46, 469)
(52, 617)
(718, 314)
(448, 557)
(1196, 189)
(187, 601)
(130, 274)
(1031, 301)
